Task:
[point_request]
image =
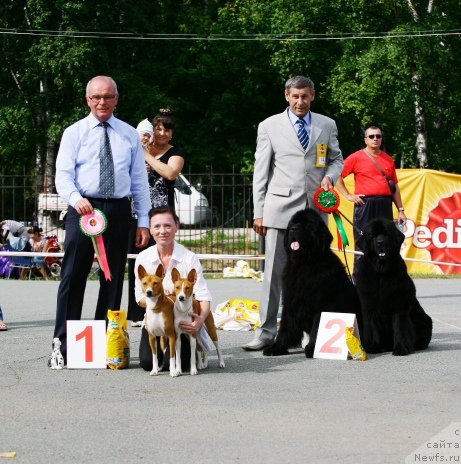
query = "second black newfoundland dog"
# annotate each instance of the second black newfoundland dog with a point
(314, 281)
(393, 319)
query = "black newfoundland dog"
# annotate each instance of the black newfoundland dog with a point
(314, 281)
(393, 319)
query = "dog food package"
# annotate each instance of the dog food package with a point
(237, 314)
(118, 341)
(354, 345)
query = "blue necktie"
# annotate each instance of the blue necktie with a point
(106, 165)
(302, 133)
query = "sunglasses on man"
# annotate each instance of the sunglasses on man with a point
(372, 136)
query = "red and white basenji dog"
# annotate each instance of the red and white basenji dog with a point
(185, 303)
(159, 317)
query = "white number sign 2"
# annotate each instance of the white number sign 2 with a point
(331, 341)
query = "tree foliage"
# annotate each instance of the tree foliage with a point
(370, 63)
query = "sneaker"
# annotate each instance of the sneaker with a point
(56, 360)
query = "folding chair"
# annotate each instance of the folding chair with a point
(22, 263)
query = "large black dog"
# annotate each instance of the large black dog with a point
(393, 319)
(314, 281)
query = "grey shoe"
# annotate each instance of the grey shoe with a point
(256, 345)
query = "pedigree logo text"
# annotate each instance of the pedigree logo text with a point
(441, 236)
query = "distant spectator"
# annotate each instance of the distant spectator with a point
(16, 237)
(15, 228)
(39, 244)
(3, 326)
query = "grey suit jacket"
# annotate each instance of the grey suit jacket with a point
(285, 176)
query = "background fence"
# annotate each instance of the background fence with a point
(215, 210)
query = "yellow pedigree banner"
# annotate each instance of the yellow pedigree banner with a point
(432, 201)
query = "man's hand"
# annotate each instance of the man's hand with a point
(357, 199)
(258, 227)
(326, 183)
(402, 217)
(83, 206)
(193, 327)
(142, 237)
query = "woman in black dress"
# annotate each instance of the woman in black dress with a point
(164, 162)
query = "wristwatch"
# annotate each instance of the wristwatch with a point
(402, 209)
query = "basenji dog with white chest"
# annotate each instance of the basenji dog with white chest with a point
(159, 318)
(184, 305)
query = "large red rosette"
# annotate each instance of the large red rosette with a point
(328, 202)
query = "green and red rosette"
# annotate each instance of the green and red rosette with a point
(328, 202)
(93, 225)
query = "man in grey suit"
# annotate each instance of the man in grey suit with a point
(297, 152)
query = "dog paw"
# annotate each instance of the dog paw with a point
(193, 371)
(401, 351)
(275, 350)
(309, 351)
(222, 364)
(175, 373)
(154, 372)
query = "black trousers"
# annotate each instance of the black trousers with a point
(145, 353)
(374, 207)
(135, 312)
(78, 258)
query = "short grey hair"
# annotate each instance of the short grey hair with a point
(98, 77)
(299, 82)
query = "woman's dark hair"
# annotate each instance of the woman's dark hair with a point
(165, 210)
(35, 230)
(165, 117)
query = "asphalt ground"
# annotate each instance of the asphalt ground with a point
(257, 410)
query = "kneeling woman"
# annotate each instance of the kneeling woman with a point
(163, 226)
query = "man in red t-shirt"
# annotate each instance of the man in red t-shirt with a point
(373, 197)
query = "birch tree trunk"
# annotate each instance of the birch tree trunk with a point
(420, 123)
(420, 120)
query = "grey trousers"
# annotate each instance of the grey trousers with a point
(272, 285)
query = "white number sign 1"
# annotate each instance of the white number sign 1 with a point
(331, 341)
(86, 345)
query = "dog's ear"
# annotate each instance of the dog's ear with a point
(397, 234)
(361, 243)
(141, 271)
(175, 275)
(159, 272)
(192, 276)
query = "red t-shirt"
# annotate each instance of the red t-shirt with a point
(368, 178)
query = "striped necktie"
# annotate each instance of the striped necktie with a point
(106, 165)
(302, 133)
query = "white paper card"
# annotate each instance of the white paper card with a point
(331, 340)
(86, 345)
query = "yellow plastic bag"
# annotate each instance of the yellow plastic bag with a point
(354, 345)
(118, 341)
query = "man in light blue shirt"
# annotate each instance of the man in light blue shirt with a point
(93, 150)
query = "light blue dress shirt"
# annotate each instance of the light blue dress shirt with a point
(77, 164)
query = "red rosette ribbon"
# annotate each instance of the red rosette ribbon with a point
(93, 225)
(328, 202)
